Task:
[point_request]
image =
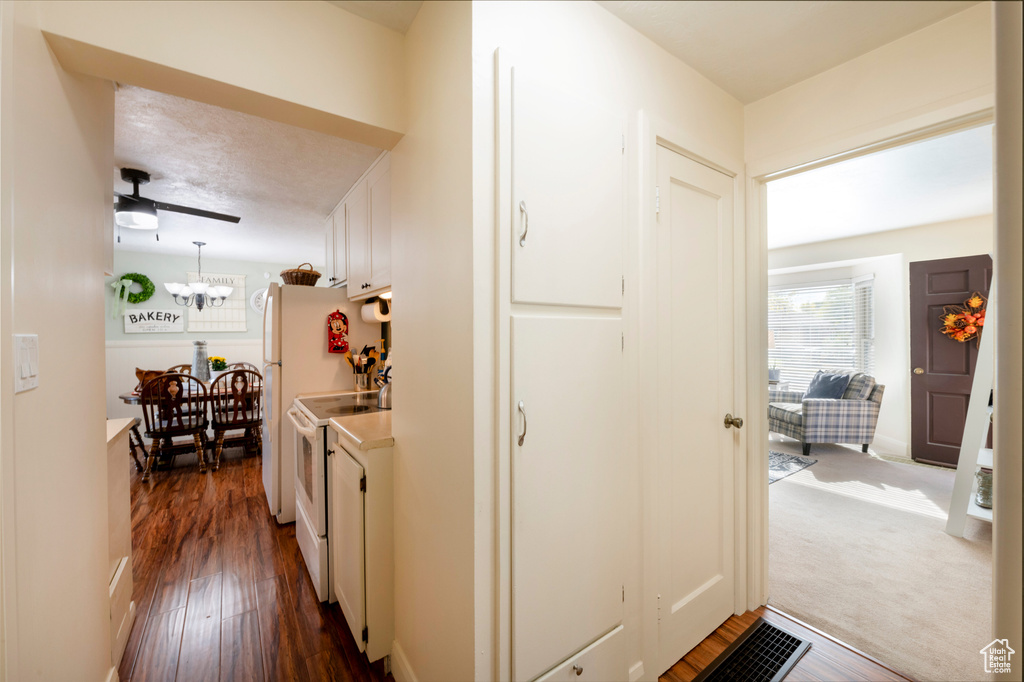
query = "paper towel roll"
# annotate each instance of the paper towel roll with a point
(371, 312)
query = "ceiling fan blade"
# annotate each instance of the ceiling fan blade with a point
(126, 196)
(196, 212)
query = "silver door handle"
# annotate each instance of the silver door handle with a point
(526, 223)
(733, 421)
(522, 436)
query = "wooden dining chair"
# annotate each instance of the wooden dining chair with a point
(235, 404)
(174, 406)
(244, 365)
(180, 369)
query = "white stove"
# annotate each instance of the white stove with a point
(310, 414)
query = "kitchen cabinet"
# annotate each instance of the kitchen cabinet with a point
(368, 228)
(567, 449)
(361, 541)
(568, 161)
(600, 661)
(334, 248)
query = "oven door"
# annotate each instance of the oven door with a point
(310, 461)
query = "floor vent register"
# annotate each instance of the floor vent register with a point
(763, 653)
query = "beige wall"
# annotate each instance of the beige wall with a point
(56, 154)
(304, 63)
(588, 52)
(941, 71)
(432, 240)
(887, 256)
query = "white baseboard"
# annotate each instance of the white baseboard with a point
(400, 668)
(636, 671)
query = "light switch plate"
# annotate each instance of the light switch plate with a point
(26, 362)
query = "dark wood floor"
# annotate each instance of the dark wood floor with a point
(828, 659)
(220, 590)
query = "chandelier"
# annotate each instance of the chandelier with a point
(198, 293)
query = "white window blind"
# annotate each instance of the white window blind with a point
(821, 326)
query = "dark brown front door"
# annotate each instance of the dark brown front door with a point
(942, 369)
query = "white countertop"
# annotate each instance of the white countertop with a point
(115, 427)
(366, 431)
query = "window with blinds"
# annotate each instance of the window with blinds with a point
(821, 326)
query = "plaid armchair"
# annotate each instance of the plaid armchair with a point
(850, 419)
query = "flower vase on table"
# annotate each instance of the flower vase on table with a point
(218, 366)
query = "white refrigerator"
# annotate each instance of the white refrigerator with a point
(295, 360)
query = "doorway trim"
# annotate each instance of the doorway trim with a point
(650, 133)
(807, 157)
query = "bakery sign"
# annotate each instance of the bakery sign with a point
(153, 321)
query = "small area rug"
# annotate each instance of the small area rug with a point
(781, 465)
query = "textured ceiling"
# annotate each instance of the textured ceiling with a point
(395, 14)
(939, 179)
(753, 49)
(281, 180)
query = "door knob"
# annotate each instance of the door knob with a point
(918, 370)
(733, 421)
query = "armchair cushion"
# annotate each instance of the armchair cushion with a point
(827, 385)
(790, 413)
(860, 387)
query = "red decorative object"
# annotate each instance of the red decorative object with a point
(963, 323)
(337, 332)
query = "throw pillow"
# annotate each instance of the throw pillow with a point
(826, 385)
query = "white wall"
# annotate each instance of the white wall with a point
(261, 58)
(56, 153)
(432, 421)
(943, 70)
(886, 255)
(590, 53)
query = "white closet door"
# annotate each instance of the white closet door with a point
(567, 532)
(347, 541)
(567, 189)
(695, 390)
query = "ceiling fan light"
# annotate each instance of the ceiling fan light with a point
(174, 288)
(139, 214)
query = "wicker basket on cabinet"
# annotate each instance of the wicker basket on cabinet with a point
(301, 276)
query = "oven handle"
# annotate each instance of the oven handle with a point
(305, 428)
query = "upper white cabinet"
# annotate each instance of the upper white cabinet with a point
(334, 248)
(568, 159)
(368, 224)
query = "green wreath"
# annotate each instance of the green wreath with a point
(147, 287)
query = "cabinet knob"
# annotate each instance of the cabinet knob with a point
(578, 669)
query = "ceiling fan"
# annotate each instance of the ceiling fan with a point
(139, 213)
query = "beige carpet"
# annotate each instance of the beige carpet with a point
(858, 549)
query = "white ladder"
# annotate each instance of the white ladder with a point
(973, 453)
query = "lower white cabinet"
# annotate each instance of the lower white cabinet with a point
(119, 525)
(361, 540)
(568, 540)
(601, 661)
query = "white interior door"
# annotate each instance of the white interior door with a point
(695, 517)
(347, 544)
(567, 530)
(567, 188)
